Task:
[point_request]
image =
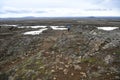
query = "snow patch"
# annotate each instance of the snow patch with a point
(107, 28)
(32, 27)
(58, 27)
(9, 25)
(35, 32)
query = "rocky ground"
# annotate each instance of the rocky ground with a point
(84, 53)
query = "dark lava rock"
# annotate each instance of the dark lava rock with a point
(84, 53)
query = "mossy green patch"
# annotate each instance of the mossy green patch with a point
(117, 52)
(3, 76)
(89, 60)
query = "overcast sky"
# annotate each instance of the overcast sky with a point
(59, 8)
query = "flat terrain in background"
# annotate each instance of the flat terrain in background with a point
(62, 20)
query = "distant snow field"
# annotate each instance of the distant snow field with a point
(9, 25)
(32, 27)
(107, 28)
(35, 32)
(58, 27)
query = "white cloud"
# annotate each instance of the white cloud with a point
(107, 0)
(61, 12)
(58, 8)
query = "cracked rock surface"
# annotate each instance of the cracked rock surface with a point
(84, 53)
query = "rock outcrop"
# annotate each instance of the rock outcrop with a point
(84, 53)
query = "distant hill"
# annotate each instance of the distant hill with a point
(35, 18)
